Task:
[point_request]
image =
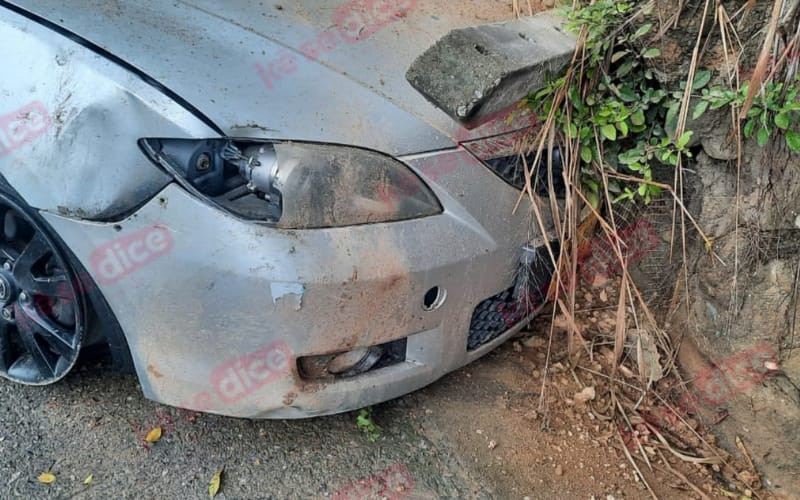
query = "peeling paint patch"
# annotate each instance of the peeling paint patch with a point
(153, 370)
(287, 290)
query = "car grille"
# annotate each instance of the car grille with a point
(512, 170)
(503, 311)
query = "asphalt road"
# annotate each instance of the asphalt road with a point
(473, 434)
(93, 423)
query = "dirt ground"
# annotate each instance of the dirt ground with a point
(474, 434)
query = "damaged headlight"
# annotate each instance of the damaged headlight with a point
(295, 185)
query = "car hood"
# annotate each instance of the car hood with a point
(328, 70)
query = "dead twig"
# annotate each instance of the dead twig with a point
(636, 467)
(758, 78)
(682, 477)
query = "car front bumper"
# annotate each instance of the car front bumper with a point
(218, 298)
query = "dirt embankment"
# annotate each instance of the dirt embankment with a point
(741, 311)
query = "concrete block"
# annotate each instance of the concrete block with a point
(473, 72)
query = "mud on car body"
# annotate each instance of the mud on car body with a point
(277, 251)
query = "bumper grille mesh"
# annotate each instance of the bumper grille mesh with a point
(492, 317)
(503, 311)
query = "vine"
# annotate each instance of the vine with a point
(621, 116)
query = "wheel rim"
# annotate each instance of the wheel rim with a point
(41, 311)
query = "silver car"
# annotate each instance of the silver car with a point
(250, 205)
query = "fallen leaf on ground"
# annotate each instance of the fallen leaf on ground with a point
(154, 435)
(46, 478)
(213, 485)
(89, 479)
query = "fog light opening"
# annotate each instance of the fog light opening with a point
(434, 298)
(355, 362)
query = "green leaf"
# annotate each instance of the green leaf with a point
(782, 120)
(748, 128)
(701, 108)
(623, 127)
(637, 118)
(673, 160)
(586, 154)
(624, 68)
(628, 95)
(762, 136)
(619, 55)
(793, 140)
(629, 156)
(718, 103)
(671, 121)
(651, 53)
(593, 199)
(684, 139)
(701, 79)
(572, 129)
(609, 132)
(627, 195)
(643, 30)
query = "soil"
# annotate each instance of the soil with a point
(474, 434)
(745, 296)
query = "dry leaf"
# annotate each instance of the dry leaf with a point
(645, 351)
(213, 485)
(154, 435)
(89, 479)
(46, 478)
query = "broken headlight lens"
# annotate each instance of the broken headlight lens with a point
(296, 185)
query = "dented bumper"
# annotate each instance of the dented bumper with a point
(217, 311)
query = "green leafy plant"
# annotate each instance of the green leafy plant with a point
(616, 115)
(616, 111)
(365, 423)
(777, 109)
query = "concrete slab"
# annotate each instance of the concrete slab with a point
(473, 72)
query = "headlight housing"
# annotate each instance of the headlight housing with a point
(295, 185)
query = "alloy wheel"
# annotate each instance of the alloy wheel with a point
(41, 312)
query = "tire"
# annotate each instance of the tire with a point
(50, 308)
